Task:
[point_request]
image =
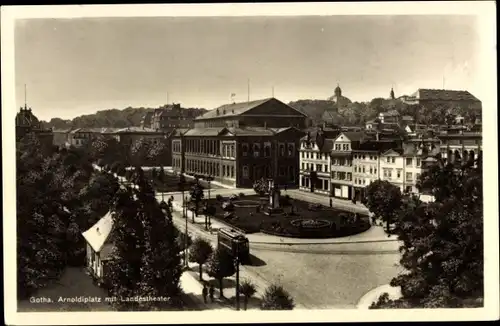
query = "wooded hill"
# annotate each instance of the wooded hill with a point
(355, 114)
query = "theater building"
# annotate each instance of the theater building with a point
(241, 142)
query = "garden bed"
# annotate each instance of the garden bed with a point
(306, 220)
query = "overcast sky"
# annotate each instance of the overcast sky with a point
(78, 66)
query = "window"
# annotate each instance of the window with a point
(302, 181)
(399, 174)
(307, 154)
(291, 149)
(349, 176)
(319, 167)
(418, 162)
(325, 184)
(355, 168)
(388, 160)
(303, 166)
(389, 173)
(375, 171)
(326, 167)
(393, 160)
(282, 149)
(363, 169)
(409, 161)
(245, 171)
(418, 176)
(371, 170)
(244, 149)
(409, 176)
(256, 150)
(355, 156)
(267, 150)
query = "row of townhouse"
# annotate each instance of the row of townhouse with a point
(342, 164)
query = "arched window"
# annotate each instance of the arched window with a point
(291, 149)
(245, 171)
(267, 150)
(282, 150)
(244, 149)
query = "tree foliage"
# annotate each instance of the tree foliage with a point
(219, 266)
(261, 187)
(384, 200)
(247, 288)
(442, 249)
(199, 252)
(48, 231)
(147, 263)
(277, 298)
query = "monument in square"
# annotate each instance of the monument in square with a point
(273, 206)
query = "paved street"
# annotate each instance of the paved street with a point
(320, 275)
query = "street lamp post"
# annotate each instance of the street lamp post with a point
(209, 180)
(186, 243)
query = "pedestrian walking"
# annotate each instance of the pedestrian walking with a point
(211, 292)
(204, 292)
(331, 202)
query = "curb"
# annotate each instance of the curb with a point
(319, 243)
(371, 296)
(307, 243)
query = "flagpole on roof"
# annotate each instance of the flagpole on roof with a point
(248, 90)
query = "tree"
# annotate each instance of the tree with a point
(209, 211)
(261, 187)
(442, 249)
(160, 264)
(197, 196)
(247, 288)
(220, 265)
(277, 298)
(199, 252)
(47, 183)
(125, 265)
(384, 200)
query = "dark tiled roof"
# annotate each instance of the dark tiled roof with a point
(374, 145)
(327, 145)
(355, 136)
(331, 115)
(444, 95)
(203, 131)
(236, 109)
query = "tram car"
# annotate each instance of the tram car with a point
(235, 242)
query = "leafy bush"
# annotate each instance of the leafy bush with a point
(241, 195)
(219, 198)
(261, 187)
(233, 197)
(277, 298)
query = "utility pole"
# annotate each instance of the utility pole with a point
(237, 262)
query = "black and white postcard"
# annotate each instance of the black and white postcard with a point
(195, 163)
